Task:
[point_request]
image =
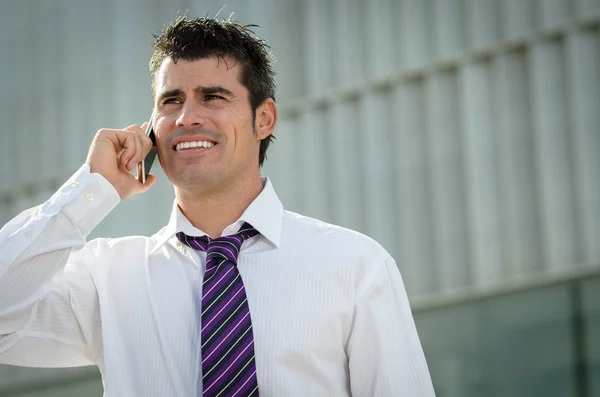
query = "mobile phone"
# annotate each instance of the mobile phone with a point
(145, 166)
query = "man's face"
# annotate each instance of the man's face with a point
(204, 125)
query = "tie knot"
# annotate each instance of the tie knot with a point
(226, 247)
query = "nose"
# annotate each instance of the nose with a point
(190, 115)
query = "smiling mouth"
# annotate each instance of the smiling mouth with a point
(193, 145)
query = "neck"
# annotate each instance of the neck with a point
(213, 212)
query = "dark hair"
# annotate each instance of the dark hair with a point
(198, 38)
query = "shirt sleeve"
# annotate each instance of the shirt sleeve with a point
(385, 354)
(48, 301)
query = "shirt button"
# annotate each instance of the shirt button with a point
(75, 185)
(28, 234)
(89, 197)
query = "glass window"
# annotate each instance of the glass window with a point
(591, 312)
(451, 339)
(518, 345)
(528, 348)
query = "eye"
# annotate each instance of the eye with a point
(212, 97)
(171, 101)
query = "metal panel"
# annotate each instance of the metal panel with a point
(7, 101)
(415, 17)
(584, 7)
(483, 22)
(318, 45)
(482, 174)
(282, 163)
(5, 212)
(415, 256)
(517, 177)
(51, 98)
(74, 79)
(131, 52)
(288, 48)
(584, 79)
(210, 8)
(553, 12)
(313, 165)
(349, 35)
(379, 51)
(380, 172)
(450, 228)
(448, 25)
(347, 166)
(26, 152)
(518, 17)
(96, 89)
(554, 164)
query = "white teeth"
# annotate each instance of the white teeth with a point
(187, 145)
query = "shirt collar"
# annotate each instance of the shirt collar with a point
(265, 214)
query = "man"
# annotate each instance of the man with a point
(235, 296)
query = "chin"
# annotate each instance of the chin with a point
(191, 175)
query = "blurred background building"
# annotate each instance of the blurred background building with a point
(463, 135)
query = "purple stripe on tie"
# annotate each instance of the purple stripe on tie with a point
(226, 357)
(245, 387)
(222, 379)
(233, 244)
(213, 295)
(218, 295)
(221, 342)
(213, 267)
(236, 375)
(224, 326)
(223, 250)
(226, 354)
(199, 244)
(233, 301)
(220, 280)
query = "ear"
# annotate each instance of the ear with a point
(266, 118)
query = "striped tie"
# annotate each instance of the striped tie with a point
(228, 367)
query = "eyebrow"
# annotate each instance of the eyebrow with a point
(169, 94)
(200, 89)
(213, 90)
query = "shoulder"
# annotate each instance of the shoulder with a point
(105, 245)
(120, 247)
(327, 237)
(338, 256)
(106, 258)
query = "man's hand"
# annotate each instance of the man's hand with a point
(114, 153)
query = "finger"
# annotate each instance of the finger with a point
(146, 143)
(138, 155)
(128, 145)
(135, 128)
(150, 179)
(123, 169)
(142, 187)
(141, 132)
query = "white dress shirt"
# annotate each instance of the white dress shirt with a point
(329, 310)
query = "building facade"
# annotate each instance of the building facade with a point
(463, 135)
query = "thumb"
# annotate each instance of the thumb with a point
(137, 187)
(150, 179)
